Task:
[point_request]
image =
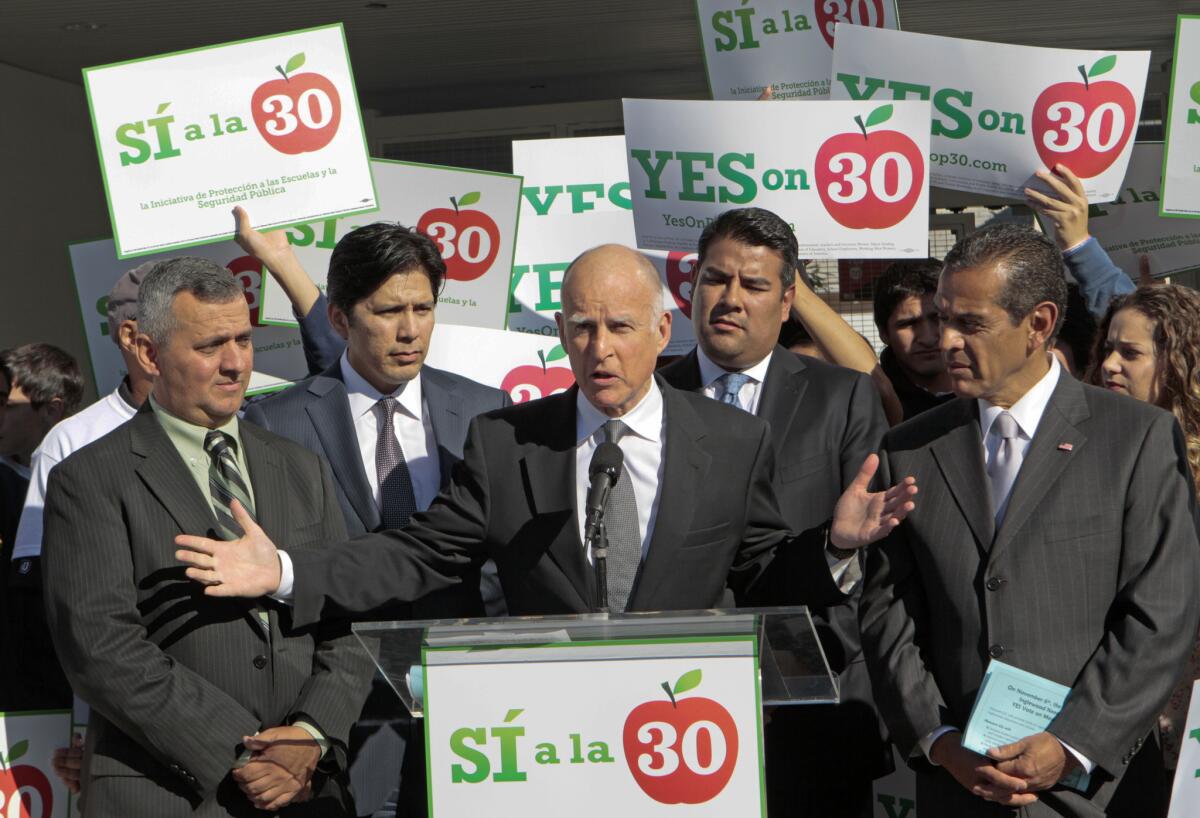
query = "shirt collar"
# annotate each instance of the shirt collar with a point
(644, 420)
(709, 371)
(1027, 411)
(363, 396)
(183, 430)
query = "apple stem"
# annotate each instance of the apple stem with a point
(667, 687)
(1083, 73)
(454, 202)
(283, 73)
(861, 126)
(542, 358)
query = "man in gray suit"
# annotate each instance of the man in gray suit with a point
(183, 691)
(1055, 534)
(383, 283)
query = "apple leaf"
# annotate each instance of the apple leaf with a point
(880, 115)
(556, 354)
(1103, 65)
(512, 714)
(688, 681)
(1195, 93)
(19, 749)
(468, 198)
(294, 63)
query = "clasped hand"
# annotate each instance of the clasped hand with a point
(1011, 775)
(280, 768)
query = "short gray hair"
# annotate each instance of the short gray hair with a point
(206, 280)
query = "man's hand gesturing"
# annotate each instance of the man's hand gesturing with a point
(246, 567)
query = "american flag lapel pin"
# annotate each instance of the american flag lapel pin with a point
(1066, 447)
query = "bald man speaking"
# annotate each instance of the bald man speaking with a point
(691, 512)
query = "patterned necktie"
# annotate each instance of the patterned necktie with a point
(729, 388)
(1006, 463)
(621, 526)
(397, 502)
(226, 483)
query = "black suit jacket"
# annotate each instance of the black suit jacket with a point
(513, 499)
(316, 414)
(824, 420)
(1089, 581)
(174, 678)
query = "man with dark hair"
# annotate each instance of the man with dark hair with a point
(824, 421)
(392, 430)
(1055, 534)
(1073, 346)
(907, 322)
(185, 693)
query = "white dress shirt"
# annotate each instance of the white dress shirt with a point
(751, 391)
(642, 443)
(413, 430)
(1027, 412)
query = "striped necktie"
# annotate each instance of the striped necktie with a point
(226, 483)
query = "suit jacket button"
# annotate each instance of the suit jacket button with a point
(996, 651)
(994, 584)
(260, 661)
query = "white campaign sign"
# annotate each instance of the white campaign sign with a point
(787, 44)
(850, 177)
(1185, 794)
(278, 354)
(1181, 170)
(526, 366)
(1002, 111)
(471, 214)
(28, 785)
(1131, 226)
(576, 196)
(271, 123)
(562, 720)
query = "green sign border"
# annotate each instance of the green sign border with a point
(215, 239)
(516, 231)
(704, 50)
(1170, 118)
(70, 714)
(680, 640)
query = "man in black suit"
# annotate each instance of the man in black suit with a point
(179, 685)
(383, 283)
(824, 421)
(1055, 534)
(683, 536)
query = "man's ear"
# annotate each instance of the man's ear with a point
(1041, 325)
(146, 353)
(127, 333)
(52, 411)
(339, 321)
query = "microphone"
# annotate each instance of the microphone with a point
(604, 471)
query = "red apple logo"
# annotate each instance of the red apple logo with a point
(870, 181)
(681, 751)
(248, 271)
(860, 12)
(680, 268)
(23, 787)
(1084, 125)
(297, 114)
(528, 382)
(468, 239)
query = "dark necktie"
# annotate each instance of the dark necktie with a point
(226, 483)
(397, 503)
(621, 526)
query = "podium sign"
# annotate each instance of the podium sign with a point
(645, 727)
(645, 712)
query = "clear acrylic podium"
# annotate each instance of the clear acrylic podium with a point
(792, 666)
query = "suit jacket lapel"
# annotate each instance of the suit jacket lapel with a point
(1045, 460)
(784, 389)
(686, 463)
(687, 373)
(959, 454)
(550, 470)
(166, 475)
(445, 418)
(331, 419)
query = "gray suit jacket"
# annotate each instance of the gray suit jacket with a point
(316, 414)
(1090, 581)
(175, 679)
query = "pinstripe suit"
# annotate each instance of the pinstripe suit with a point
(1090, 581)
(174, 678)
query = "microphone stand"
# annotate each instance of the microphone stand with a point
(599, 545)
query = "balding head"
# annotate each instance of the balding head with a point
(613, 325)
